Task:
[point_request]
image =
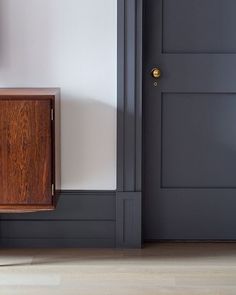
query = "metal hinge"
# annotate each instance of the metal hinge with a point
(53, 191)
(52, 114)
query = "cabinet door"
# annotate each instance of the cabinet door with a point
(25, 152)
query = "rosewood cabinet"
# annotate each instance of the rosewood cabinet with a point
(29, 149)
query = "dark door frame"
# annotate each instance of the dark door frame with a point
(129, 128)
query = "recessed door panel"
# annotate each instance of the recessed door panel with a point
(198, 140)
(199, 26)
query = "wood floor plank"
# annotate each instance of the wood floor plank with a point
(158, 269)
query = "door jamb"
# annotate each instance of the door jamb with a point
(129, 125)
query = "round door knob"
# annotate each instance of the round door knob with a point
(156, 73)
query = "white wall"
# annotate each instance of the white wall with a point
(69, 44)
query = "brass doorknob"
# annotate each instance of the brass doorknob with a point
(156, 73)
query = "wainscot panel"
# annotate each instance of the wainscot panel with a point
(82, 219)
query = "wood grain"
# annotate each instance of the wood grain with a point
(25, 151)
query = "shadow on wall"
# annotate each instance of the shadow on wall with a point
(90, 156)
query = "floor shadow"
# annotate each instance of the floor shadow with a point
(158, 253)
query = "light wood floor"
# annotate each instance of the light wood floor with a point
(158, 269)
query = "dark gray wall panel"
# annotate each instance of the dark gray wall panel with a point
(57, 243)
(75, 205)
(19, 229)
(203, 26)
(82, 219)
(198, 140)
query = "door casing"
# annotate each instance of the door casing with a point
(129, 124)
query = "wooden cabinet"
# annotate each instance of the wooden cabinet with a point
(29, 149)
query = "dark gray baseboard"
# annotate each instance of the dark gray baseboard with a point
(82, 219)
(56, 243)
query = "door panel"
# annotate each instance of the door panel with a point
(198, 140)
(189, 119)
(25, 152)
(202, 26)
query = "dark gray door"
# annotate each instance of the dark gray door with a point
(190, 120)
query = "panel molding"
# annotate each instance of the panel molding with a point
(82, 219)
(129, 132)
(182, 131)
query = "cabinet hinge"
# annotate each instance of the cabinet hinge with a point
(52, 114)
(53, 190)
